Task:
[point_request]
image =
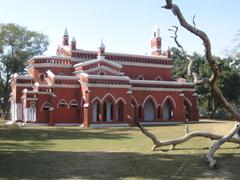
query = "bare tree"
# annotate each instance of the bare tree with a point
(212, 81)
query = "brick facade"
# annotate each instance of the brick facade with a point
(98, 87)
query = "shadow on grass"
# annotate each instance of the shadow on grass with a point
(114, 165)
(49, 133)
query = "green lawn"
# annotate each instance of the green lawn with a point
(111, 153)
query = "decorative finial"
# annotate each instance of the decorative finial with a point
(65, 32)
(102, 46)
(73, 39)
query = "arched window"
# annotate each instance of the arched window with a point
(96, 111)
(149, 110)
(108, 110)
(73, 103)
(32, 113)
(120, 111)
(167, 111)
(62, 103)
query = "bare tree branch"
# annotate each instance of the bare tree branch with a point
(188, 135)
(196, 81)
(213, 81)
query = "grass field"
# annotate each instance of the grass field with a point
(111, 153)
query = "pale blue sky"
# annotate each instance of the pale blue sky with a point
(124, 25)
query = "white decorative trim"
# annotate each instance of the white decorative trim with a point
(166, 98)
(73, 101)
(89, 62)
(189, 102)
(90, 76)
(105, 85)
(62, 101)
(30, 99)
(105, 68)
(158, 78)
(45, 103)
(65, 86)
(50, 57)
(182, 94)
(43, 65)
(102, 72)
(50, 73)
(159, 82)
(161, 89)
(144, 64)
(108, 95)
(140, 77)
(160, 57)
(121, 99)
(96, 99)
(23, 77)
(152, 98)
(195, 94)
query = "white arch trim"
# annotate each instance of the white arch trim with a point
(96, 98)
(189, 102)
(102, 72)
(169, 97)
(44, 104)
(152, 98)
(106, 96)
(121, 99)
(73, 102)
(140, 77)
(158, 78)
(62, 101)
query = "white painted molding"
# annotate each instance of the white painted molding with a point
(171, 99)
(105, 85)
(140, 77)
(44, 65)
(90, 76)
(144, 64)
(161, 89)
(159, 82)
(62, 101)
(105, 68)
(89, 62)
(152, 98)
(189, 102)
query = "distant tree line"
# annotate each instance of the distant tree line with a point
(229, 81)
(17, 45)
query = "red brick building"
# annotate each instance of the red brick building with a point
(102, 88)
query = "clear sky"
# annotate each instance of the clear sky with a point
(124, 25)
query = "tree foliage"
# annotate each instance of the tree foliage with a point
(229, 80)
(17, 45)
